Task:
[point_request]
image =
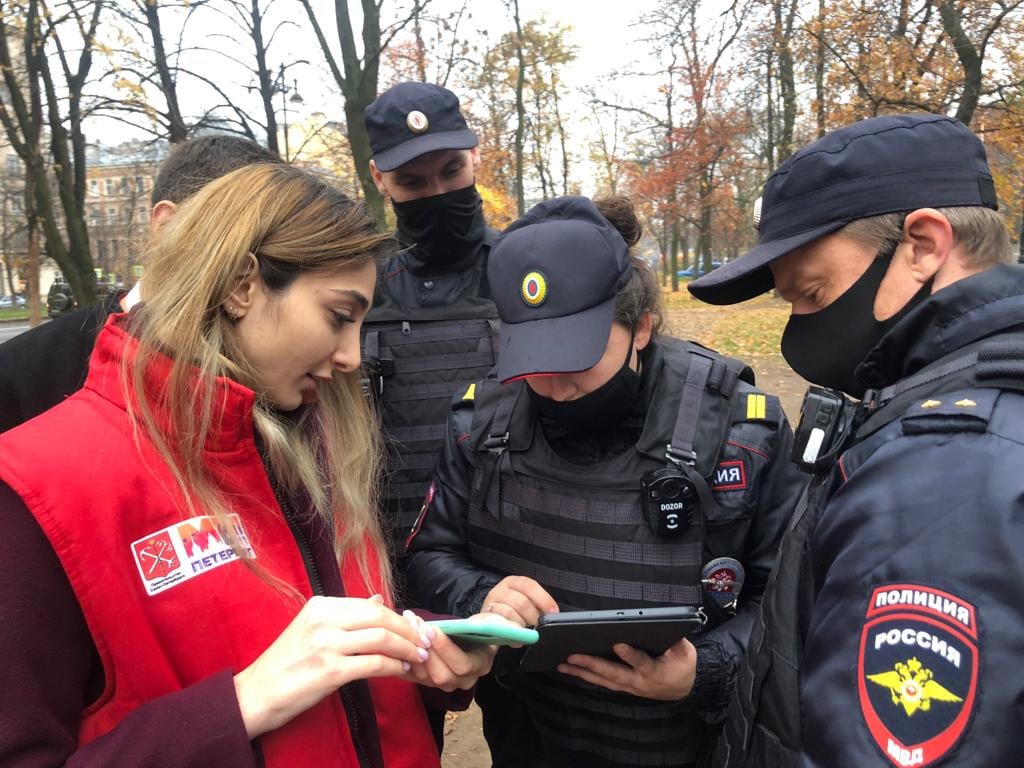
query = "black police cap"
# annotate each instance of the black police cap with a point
(554, 275)
(412, 119)
(876, 166)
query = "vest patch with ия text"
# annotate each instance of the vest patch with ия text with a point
(730, 476)
(185, 550)
(917, 671)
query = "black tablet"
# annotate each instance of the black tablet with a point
(652, 630)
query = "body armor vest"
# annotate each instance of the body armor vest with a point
(581, 533)
(415, 359)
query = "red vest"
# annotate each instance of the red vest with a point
(166, 601)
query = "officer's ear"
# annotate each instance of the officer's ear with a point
(644, 330)
(378, 179)
(474, 155)
(932, 243)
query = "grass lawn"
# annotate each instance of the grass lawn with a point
(14, 314)
(752, 328)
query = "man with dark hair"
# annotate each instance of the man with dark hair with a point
(892, 620)
(193, 164)
(41, 367)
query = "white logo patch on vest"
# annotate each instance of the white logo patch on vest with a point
(185, 550)
(918, 671)
(730, 476)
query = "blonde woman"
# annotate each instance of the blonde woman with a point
(192, 571)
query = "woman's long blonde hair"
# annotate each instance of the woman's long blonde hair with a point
(328, 452)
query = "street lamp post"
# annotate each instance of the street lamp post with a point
(280, 85)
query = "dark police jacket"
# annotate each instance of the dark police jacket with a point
(897, 605)
(461, 549)
(42, 366)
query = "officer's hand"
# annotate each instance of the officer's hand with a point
(667, 678)
(332, 641)
(519, 599)
(448, 666)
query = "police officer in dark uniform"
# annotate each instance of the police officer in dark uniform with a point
(890, 631)
(538, 501)
(431, 329)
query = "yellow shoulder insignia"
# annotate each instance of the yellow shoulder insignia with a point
(470, 393)
(931, 403)
(965, 403)
(757, 406)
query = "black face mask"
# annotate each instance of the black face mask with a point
(596, 411)
(446, 230)
(825, 347)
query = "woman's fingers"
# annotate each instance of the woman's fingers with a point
(331, 641)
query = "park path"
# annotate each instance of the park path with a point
(464, 742)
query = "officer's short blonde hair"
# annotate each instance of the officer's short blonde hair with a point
(981, 231)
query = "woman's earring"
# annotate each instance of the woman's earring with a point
(232, 313)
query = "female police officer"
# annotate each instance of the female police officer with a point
(538, 503)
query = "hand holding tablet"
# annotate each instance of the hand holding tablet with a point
(593, 633)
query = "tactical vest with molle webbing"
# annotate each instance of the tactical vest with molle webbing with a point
(414, 361)
(580, 532)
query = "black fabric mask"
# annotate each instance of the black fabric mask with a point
(446, 229)
(597, 411)
(825, 347)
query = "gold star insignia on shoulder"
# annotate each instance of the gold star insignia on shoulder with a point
(931, 404)
(965, 403)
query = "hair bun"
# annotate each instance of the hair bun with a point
(620, 212)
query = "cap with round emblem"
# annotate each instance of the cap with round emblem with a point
(554, 275)
(412, 119)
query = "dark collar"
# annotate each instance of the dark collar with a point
(966, 311)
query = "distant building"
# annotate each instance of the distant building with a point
(118, 184)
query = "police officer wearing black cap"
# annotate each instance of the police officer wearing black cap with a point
(431, 329)
(546, 497)
(890, 631)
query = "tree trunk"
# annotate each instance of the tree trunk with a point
(665, 241)
(35, 313)
(421, 49)
(357, 79)
(969, 57)
(266, 82)
(769, 87)
(520, 112)
(704, 238)
(787, 84)
(674, 253)
(177, 130)
(819, 71)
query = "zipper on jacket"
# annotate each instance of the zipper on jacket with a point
(318, 589)
(300, 538)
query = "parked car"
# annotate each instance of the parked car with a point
(13, 301)
(60, 300)
(698, 270)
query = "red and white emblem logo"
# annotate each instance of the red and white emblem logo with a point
(186, 550)
(917, 672)
(417, 121)
(156, 556)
